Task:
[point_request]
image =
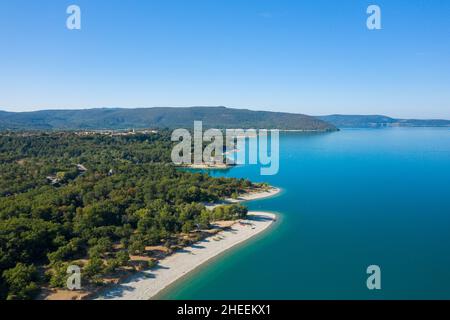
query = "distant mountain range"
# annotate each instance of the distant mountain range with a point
(212, 117)
(117, 118)
(378, 121)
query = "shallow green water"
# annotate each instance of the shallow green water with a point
(350, 199)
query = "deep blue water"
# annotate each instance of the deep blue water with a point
(350, 199)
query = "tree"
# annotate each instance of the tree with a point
(187, 227)
(21, 281)
(94, 268)
(122, 257)
(101, 248)
(58, 275)
(136, 247)
(111, 266)
(204, 219)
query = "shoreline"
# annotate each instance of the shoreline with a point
(147, 284)
(250, 196)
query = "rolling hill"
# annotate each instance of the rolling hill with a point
(117, 118)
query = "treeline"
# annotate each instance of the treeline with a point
(66, 198)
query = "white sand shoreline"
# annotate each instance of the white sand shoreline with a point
(246, 197)
(147, 284)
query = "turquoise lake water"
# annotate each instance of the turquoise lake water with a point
(350, 199)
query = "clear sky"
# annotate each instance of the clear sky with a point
(314, 57)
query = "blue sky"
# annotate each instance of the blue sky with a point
(314, 57)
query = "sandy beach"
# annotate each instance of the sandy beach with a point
(145, 285)
(246, 197)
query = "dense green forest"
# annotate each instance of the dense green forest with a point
(67, 196)
(117, 118)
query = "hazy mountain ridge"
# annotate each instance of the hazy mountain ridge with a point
(380, 121)
(118, 118)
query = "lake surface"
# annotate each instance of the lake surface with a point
(350, 199)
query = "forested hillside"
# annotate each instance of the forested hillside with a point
(217, 117)
(95, 200)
